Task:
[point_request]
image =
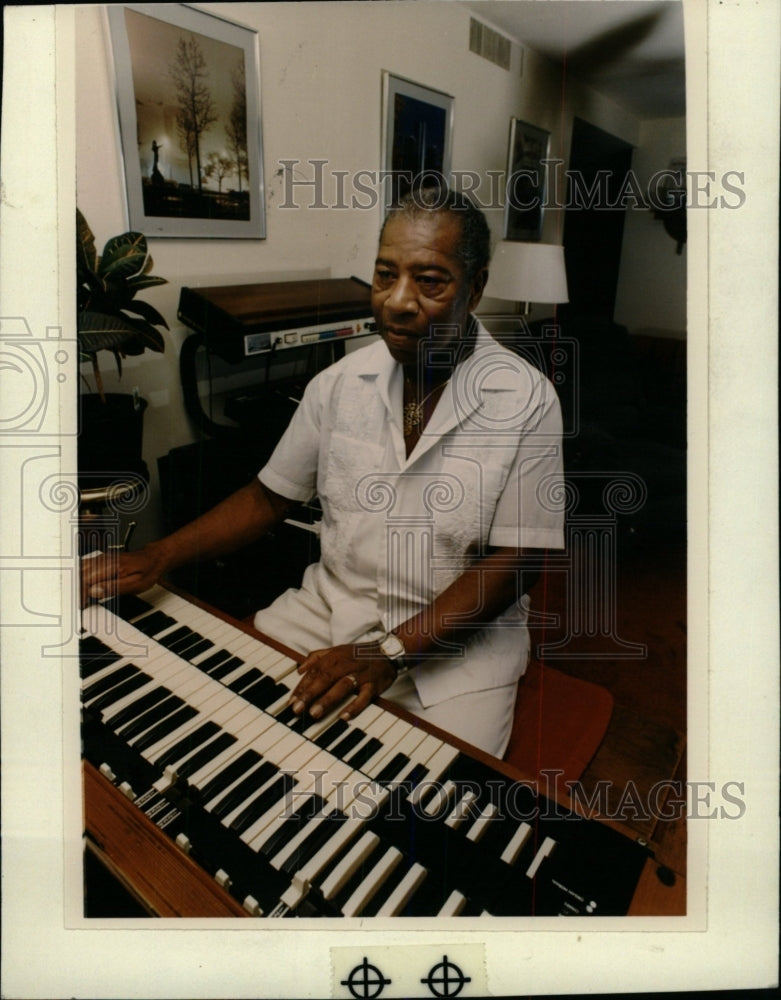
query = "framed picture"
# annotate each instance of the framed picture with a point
(417, 136)
(188, 98)
(525, 186)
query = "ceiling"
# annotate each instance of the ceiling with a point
(630, 50)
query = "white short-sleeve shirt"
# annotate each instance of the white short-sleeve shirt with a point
(397, 530)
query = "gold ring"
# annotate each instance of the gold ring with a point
(352, 679)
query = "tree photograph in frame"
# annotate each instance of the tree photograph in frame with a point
(525, 187)
(188, 99)
(417, 133)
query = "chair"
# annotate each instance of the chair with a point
(559, 724)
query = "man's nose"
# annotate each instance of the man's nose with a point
(403, 295)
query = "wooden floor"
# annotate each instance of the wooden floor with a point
(646, 739)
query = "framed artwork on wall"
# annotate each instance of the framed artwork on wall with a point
(525, 185)
(417, 134)
(188, 100)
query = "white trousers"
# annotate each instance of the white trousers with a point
(482, 718)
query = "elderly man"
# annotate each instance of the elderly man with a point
(434, 454)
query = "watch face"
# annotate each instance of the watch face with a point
(393, 647)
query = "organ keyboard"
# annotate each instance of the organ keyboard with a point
(187, 731)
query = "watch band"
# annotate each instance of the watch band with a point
(394, 649)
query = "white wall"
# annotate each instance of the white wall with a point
(320, 70)
(651, 295)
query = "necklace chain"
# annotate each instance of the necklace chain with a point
(413, 412)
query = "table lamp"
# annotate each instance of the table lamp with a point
(526, 273)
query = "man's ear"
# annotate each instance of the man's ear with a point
(478, 287)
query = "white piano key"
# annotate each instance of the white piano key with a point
(281, 669)
(441, 798)
(403, 892)
(546, 848)
(320, 775)
(480, 825)
(437, 764)
(453, 905)
(349, 864)
(342, 836)
(516, 844)
(199, 778)
(400, 737)
(462, 809)
(372, 883)
(164, 676)
(238, 809)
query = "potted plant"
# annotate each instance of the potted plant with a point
(110, 318)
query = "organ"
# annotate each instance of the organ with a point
(207, 796)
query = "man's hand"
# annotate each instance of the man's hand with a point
(331, 675)
(121, 573)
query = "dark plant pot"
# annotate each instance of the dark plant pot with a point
(111, 436)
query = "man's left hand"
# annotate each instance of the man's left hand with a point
(331, 675)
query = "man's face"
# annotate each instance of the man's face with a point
(419, 289)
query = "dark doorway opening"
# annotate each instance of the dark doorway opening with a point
(593, 228)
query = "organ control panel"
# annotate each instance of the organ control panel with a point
(241, 321)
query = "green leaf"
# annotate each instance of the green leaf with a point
(123, 257)
(139, 282)
(86, 255)
(148, 312)
(147, 336)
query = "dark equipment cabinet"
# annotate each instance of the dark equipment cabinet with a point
(235, 323)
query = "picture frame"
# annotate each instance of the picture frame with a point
(525, 185)
(417, 134)
(189, 114)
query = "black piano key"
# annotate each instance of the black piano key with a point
(94, 655)
(187, 643)
(262, 693)
(294, 823)
(200, 646)
(209, 752)
(226, 667)
(331, 734)
(283, 784)
(137, 707)
(106, 683)
(213, 661)
(163, 728)
(187, 744)
(348, 743)
(364, 753)
(119, 691)
(128, 606)
(183, 634)
(244, 680)
(287, 715)
(394, 767)
(230, 773)
(154, 623)
(152, 716)
(310, 845)
(245, 789)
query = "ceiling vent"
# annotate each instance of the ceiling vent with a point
(489, 43)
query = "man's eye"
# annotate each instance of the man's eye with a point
(383, 276)
(430, 283)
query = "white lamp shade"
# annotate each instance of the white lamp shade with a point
(528, 272)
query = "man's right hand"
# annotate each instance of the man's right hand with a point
(238, 520)
(121, 573)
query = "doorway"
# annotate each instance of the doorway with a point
(593, 230)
